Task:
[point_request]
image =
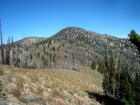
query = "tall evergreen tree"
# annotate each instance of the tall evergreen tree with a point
(135, 39)
(125, 87)
(117, 88)
(137, 90)
(101, 68)
(112, 74)
(93, 65)
(105, 83)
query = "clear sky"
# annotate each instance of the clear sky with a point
(44, 18)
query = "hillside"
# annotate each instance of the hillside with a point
(71, 48)
(20, 86)
(28, 41)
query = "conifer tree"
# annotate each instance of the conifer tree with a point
(105, 83)
(135, 39)
(125, 87)
(93, 65)
(101, 68)
(112, 74)
(117, 88)
(137, 90)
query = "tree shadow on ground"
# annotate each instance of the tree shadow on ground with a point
(104, 99)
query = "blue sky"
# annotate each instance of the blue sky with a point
(44, 18)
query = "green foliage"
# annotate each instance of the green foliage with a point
(30, 97)
(135, 39)
(93, 65)
(101, 68)
(50, 42)
(112, 74)
(125, 86)
(117, 84)
(137, 90)
(125, 101)
(105, 83)
(9, 78)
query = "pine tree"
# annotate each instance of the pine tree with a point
(105, 83)
(135, 39)
(137, 90)
(101, 68)
(93, 65)
(117, 88)
(112, 74)
(125, 87)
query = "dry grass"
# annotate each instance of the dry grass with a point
(66, 87)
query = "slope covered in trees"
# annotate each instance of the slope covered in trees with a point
(73, 47)
(118, 82)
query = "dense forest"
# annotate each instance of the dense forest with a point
(118, 82)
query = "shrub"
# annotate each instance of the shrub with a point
(2, 102)
(1, 70)
(30, 97)
(0, 85)
(39, 89)
(19, 82)
(9, 78)
(56, 92)
(16, 92)
(93, 65)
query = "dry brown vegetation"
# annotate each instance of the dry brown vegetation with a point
(50, 86)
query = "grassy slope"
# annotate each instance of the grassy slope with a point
(52, 86)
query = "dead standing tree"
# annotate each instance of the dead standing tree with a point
(8, 52)
(2, 50)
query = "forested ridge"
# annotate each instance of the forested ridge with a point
(118, 82)
(116, 58)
